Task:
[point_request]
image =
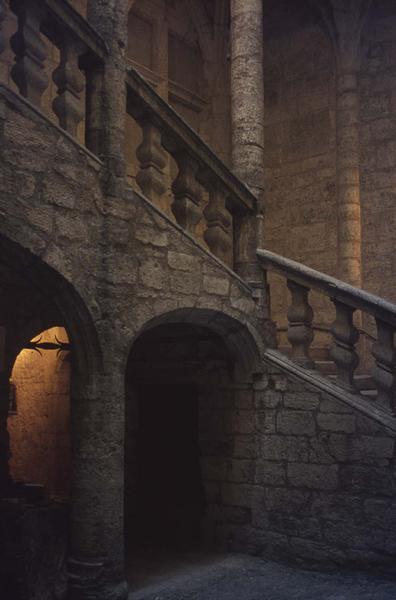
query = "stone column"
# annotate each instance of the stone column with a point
(107, 99)
(247, 119)
(96, 562)
(345, 20)
(348, 177)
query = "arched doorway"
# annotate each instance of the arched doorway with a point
(190, 438)
(43, 324)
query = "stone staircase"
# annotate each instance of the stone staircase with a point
(324, 365)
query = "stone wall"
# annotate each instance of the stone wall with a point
(40, 427)
(301, 214)
(322, 489)
(378, 149)
(301, 195)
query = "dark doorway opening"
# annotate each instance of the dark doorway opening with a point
(171, 498)
(181, 420)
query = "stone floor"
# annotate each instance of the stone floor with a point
(236, 577)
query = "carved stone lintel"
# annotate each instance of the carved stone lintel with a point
(30, 53)
(152, 160)
(218, 234)
(343, 352)
(68, 105)
(300, 332)
(384, 372)
(187, 194)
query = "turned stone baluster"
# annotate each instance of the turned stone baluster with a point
(218, 234)
(343, 352)
(385, 357)
(152, 161)
(30, 52)
(300, 332)
(68, 105)
(187, 193)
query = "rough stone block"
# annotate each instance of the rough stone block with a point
(296, 525)
(363, 448)
(316, 477)
(366, 479)
(267, 399)
(266, 421)
(149, 235)
(152, 274)
(186, 283)
(294, 422)
(301, 400)
(337, 422)
(182, 262)
(216, 285)
(288, 500)
(270, 473)
(291, 448)
(329, 405)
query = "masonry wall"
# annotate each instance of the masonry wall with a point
(378, 149)
(301, 195)
(324, 490)
(301, 213)
(40, 427)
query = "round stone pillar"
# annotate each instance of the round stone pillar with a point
(106, 89)
(348, 177)
(96, 562)
(247, 120)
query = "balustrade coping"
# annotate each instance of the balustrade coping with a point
(319, 382)
(62, 10)
(241, 200)
(332, 287)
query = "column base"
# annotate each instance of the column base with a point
(88, 580)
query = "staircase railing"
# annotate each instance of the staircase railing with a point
(204, 192)
(200, 170)
(80, 48)
(346, 299)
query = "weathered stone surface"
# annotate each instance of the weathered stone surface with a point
(270, 473)
(301, 400)
(333, 422)
(295, 423)
(317, 477)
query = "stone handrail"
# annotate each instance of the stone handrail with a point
(80, 49)
(346, 299)
(199, 168)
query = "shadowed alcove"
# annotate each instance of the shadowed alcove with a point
(185, 421)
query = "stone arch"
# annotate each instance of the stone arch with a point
(37, 290)
(62, 295)
(242, 341)
(190, 421)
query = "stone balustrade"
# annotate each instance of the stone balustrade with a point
(205, 195)
(200, 172)
(80, 49)
(346, 299)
